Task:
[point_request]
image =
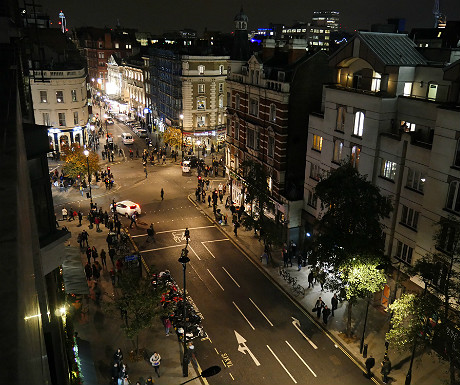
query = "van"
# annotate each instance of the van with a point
(142, 133)
(127, 138)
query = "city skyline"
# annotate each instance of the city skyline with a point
(360, 15)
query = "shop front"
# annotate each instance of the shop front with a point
(61, 140)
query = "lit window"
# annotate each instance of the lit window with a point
(59, 97)
(201, 69)
(117, 45)
(46, 118)
(221, 69)
(43, 97)
(200, 104)
(201, 88)
(388, 169)
(340, 118)
(315, 171)
(61, 117)
(338, 148)
(407, 127)
(415, 180)
(272, 117)
(375, 87)
(201, 121)
(359, 123)
(221, 101)
(407, 89)
(409, 217)
(101, 55)
(75, 118)
(317, 142)
(74, 95)
(355, 153)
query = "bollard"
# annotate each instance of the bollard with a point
(365, 351)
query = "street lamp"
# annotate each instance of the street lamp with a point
(209, 372)
(184, 260)
(181, 116)
(86, 152)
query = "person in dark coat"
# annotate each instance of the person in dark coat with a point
(94, 253)
(112, 254)
(103, 259)
(88, 254)
(118, 356)
(96, 273)
(310, 279)
(386, 369)
(334, 303)
(114, 373)
(88, 272)
(326, 313)
(319, 306)
(370, 363)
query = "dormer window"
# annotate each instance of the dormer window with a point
(201, 69)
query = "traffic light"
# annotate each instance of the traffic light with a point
(184, 253)
(187, 234)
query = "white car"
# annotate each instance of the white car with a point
(127, 208)
(127, 138)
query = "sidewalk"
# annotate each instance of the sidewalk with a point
(99, 333)
(427, 369)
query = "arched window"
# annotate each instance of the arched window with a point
(359, 124)
(453, 198)
(354, 159)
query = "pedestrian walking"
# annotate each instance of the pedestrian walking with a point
(84, 237)
(64, 214)
(112, 276)
(88, 271)
(167, 323)
(88, 254)
(150, 233)
(145, 171)
(235, 228)
(284, 254)
(322, 279)
(123, 375)
(209, 200)
(103, 259)
(80, 217)
(370, 363)
(155, 361)
(97, 222)
(115, 373)
(133, 221)
(386, 369)
(326, 313)
(112, 253)
(96, 273)
(118, 356)
(94, 253)
(334, 303)
(148, 382)
(318, 307)
(162, 193)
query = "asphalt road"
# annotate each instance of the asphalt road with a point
(255, 332)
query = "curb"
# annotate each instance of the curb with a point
(339, 344)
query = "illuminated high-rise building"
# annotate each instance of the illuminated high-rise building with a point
(322, 25)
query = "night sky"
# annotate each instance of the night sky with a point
(160, 16)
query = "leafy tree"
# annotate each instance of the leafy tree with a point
(258, 195)
(141, 302)
(359, 277)
(350, 223)
(441, 276)
(76, 162)
(173, 136)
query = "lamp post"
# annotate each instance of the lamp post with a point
(86, 152)
(181, 116)
(184, 259)
(361, 346)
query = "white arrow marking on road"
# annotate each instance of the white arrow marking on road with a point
(261, 312)
(282, 365)
(250, 324)
(301, 359)
(296, 324)
(242, 346)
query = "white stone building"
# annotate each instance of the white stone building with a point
(60, 101)
(397, 118)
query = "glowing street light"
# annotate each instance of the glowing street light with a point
(86, 152)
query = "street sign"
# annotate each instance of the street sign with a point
(129, 258)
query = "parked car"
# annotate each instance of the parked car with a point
(127, 138)
(109, 121)
(127, 208)
(186, 167)
(192, 159)
(142, 133)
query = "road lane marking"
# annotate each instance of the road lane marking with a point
(250, 324)
(209, 251)
(301, 359)
(201, 279)
(282, 365)
(231, 376)
(236, 283)
(194, 252)
(296, 324)
(215, 280)
(243, 348)
(161, 248)
(171, 231)
(260, 311)
(216, 240)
